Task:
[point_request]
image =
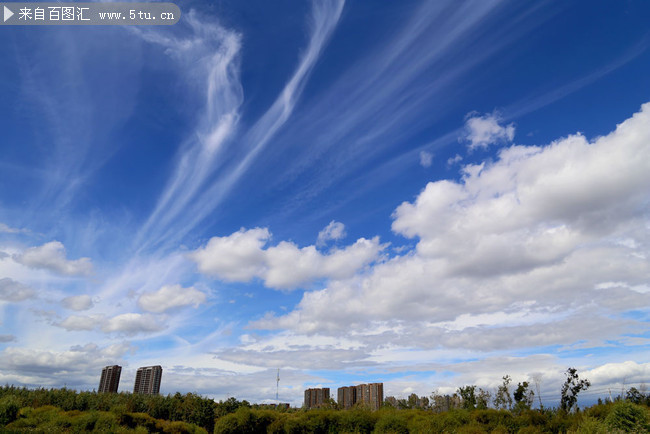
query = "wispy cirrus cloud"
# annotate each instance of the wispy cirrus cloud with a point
(215, 53)
(197, 160)
(9, 230)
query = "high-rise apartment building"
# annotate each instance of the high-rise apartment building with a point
(347, 396)
(371, 395)
(375, 395)
(110, 379)
(147, 380)
(316, 397)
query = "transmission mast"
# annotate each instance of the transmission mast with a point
(277, 387)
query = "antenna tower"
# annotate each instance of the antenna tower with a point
(277, 386)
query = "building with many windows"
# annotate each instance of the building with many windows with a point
(110, 379)
(147, 380)
(316, 397)
(371, 395)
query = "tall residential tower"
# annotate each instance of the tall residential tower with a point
(147, 380)
(110, 379)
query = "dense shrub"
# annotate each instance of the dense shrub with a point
(628, 417)
(190, 408)
(53, 419)
(391, 422)
(591, 425)
(9, 408)
(358, 421)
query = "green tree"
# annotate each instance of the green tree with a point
(413, 401)
(483, 399)
(9, 407)
(573, 385)
(627, 417)
(523, 396)
(468, 396)
(634, 395)
(502, 398)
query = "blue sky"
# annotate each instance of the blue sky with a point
(429, 194)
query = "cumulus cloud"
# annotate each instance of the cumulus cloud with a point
(482, 131)
(627, 372)
(426, 158)
(333, 231)
(84, 359)
(169, 297)
(81, 322)
(237, 257)
(540, 233)
(10, 290)
(52, 256)
(241, 256)
(132, 323)
(78, 302)
(127, 323)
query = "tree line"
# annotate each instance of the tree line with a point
(470, 409)
(473, 397)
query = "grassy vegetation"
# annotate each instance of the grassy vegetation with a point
(62, 410)
(606, 418)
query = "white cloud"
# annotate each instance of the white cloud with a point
(453, 160)
(237, 257)
(52, 256)
(78, 302)
(185, 184)
(241, 257)
(9, 230)
(527, 236)
(426, 158)
(483, 131)
(86, 360)
(81, 322)
(169, 297)
(627, 372)
(333, 231)
(10, 290)
(132, 323)
(127, 323)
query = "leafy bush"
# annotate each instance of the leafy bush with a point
(391, 423)
(628, 417)
(591, 425)
(9, 408)
(190, 408)
(357, 421)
